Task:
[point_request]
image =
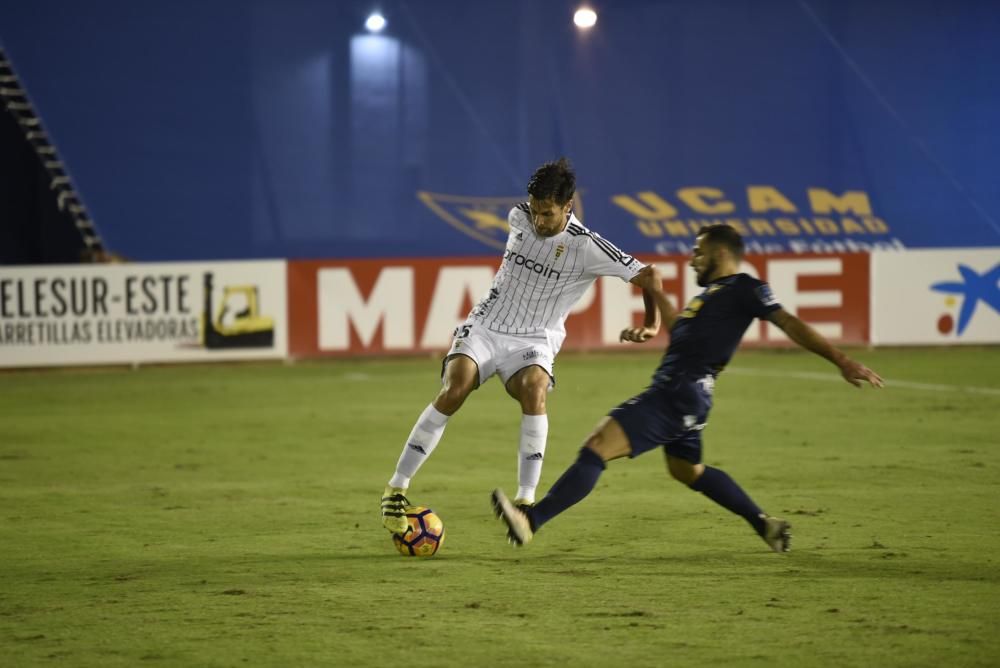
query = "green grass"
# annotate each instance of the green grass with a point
(227, 515)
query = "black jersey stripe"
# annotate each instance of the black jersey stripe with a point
(523, 206)
(611, 252)
(607, 247)
(598, 238)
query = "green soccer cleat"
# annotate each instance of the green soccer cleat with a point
(394, 505)
(518, 527)
(776, 533)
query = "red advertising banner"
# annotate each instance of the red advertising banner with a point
(375, 307)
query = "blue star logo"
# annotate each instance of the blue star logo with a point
(974, 288)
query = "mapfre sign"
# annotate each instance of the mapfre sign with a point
(362, 307)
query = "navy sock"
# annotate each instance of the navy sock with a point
(718, 486)
(574, 484)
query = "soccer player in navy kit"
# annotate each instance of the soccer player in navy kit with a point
(673, 410)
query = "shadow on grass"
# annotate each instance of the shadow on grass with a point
(860, 563)
(362, 563)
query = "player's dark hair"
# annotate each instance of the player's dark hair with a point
(553, 181)
(723, 234)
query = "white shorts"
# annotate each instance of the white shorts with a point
(504, 354)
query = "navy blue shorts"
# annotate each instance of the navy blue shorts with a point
(671, 414)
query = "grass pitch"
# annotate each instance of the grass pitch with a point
(227, 516)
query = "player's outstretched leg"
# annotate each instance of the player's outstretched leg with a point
(719, 487)
(606, 443)
(519, 531)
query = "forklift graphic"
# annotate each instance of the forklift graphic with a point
(238, 324)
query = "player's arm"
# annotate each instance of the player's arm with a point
(853, 372)
(658, 307)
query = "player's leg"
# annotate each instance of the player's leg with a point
(689, 407)
(460, 378)
(525, 365)
(630, 429)
(530, 388)
(684, 466)
(607, 442)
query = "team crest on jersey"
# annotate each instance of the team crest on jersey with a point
(691, 310)
(560, 249)
(482, 218)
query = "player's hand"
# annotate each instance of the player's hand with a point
(857, 374)
(637, 334)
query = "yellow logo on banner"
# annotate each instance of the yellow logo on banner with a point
(238, 322)
(482, 218)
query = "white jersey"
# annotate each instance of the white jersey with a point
(541, 278)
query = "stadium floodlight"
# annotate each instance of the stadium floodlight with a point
(585, 18)
(375, 22)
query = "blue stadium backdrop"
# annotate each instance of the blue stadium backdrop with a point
(259, 129)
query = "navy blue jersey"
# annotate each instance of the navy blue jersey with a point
(706, 333)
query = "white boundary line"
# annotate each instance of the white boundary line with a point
(889, 384)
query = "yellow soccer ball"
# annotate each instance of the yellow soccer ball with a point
(424, 536)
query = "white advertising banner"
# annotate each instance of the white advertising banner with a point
(946, 296)
(139, 313)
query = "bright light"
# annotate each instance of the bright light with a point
(585, 17)
(375, 22)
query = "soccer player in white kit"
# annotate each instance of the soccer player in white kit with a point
(516, 330)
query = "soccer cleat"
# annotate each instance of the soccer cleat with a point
(523, 505)
(518, 527)
(776, 533)
(394, 510)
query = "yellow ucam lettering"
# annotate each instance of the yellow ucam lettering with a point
(654, 207)
(698, 199)
(650, 228)
(785, 225)
(875, 225)
(826, 226)
(698, 224)
(768, 198)
(851, 226)
(852, 201)
(761, 227)
(677, 228)
(738, 225)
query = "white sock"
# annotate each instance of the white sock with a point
(530, 454)
(419, 446)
